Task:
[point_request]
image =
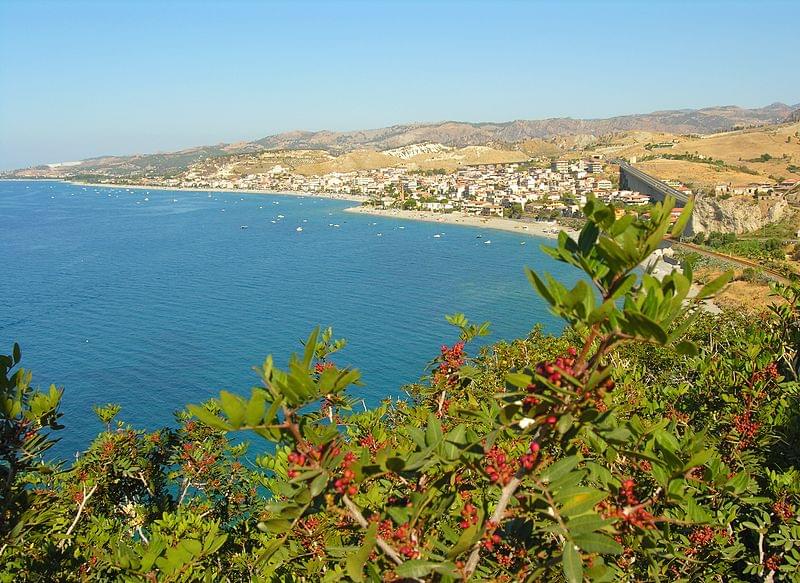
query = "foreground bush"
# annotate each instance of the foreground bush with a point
(650, 441)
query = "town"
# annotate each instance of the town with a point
(541, 187)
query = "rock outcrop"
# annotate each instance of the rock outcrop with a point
(737, 214)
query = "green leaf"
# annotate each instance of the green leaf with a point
(714, 286)
(594, 542)
(233, 407)
(465, 541)
(686, 348)
(571, 563)
(433, 433)
(646, 327)
(680, 224)
(311, 348)
(415, 568)
(319, 483)
(275, 525)
(579, 499)
(356, 560)
(207, 417)
(560, 468)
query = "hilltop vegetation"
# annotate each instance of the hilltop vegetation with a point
(648, 442)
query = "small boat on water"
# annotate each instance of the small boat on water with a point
(244, 227)
(299, 229)
(437, 236)
(487, 242)
(479, 237)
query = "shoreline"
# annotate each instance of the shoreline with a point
(519, 227)
(328, 195)
(547, 230)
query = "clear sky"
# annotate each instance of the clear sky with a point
(80, 79)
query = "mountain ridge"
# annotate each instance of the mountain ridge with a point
(451, 133)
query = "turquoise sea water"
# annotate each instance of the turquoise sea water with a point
(156, 303)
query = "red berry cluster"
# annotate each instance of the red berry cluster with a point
(300, 459)
(773, 562)
(108, 447)
(528, 461)
(321, 367)
(196, 462)
(452, 359)
(557, 373)
(491, 540)
(783, 510)
(700, 537)
(746, 428)
(499, 469)
(371, 444)
(469, 515)
(628, 508)
(404, 538)
(769, 372)
(311, 539)
(344, 484)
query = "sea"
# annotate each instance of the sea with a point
(153, 299)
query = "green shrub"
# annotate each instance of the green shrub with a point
(651, 441)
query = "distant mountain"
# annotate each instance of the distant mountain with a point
(449, 133)
(459, 134)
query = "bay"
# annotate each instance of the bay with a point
(154, 299)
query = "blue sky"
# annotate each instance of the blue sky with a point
(80, 79)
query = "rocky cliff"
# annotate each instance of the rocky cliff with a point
(738, 214)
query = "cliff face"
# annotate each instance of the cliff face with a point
(738, 214)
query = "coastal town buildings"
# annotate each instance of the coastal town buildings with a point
(543, 187)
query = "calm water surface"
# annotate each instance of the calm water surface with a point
(157, 299)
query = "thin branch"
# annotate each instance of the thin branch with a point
(497, 516)
(84, 500)
(187, 482)
(355, 513)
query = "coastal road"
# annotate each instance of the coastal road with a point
(740, 261)
(655, 186)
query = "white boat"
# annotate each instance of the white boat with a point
(437, 236)
(244, 227)
(487, 242)
(380, 234)
(299, 229)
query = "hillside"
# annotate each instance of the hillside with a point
(532, 137)
(764, 154)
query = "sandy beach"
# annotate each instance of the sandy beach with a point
(520, 227)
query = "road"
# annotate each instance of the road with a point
(654, 183)
(740, 261)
